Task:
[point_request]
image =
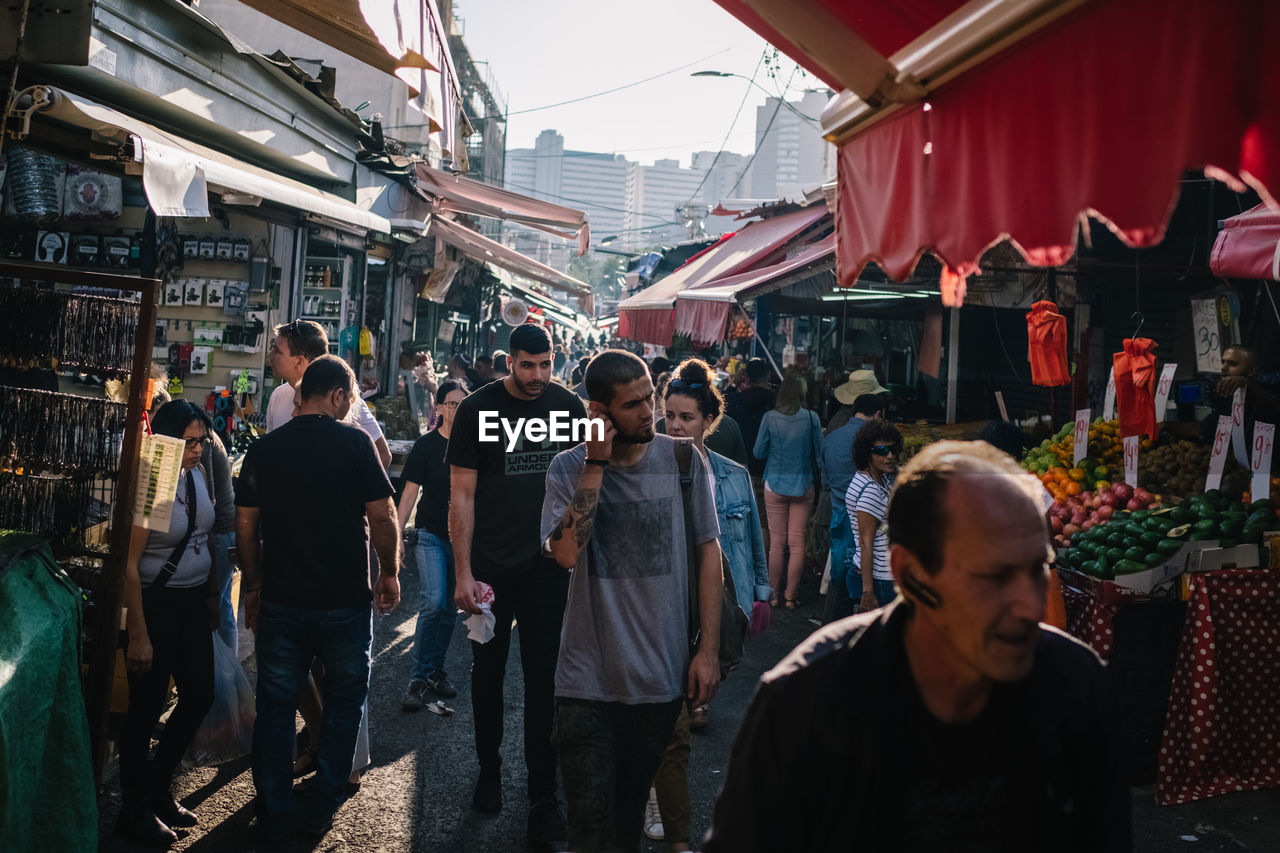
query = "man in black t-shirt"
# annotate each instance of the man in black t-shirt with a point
(504, 438)
(950, 720)
(748, 407)
(303, 497)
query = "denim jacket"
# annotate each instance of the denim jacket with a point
(741, 537)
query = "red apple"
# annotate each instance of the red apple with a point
(1109, 499)
(1134, 503)
(1088, 523)
(1070, 530)
(1142, 495)
(1056, 525)
(1105, 512)
(1123, 491)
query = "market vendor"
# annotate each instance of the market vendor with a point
(1240, 370)
(860, 382)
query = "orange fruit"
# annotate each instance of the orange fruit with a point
(1074, 488)
(1076, 474)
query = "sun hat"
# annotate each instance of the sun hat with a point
(860, 382)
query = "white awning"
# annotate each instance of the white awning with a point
(482, 248)
(177, 174)
(557, 311)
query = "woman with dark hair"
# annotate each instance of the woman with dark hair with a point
(172, 611)
(876, 450)
(790, 442)
(433, 553)
(693, 408)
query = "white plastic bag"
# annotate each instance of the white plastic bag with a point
(227, 731)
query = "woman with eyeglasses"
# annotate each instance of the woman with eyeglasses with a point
(172, 611)
(876, 450)
(790, 442)
(426, 473)
(693, 408)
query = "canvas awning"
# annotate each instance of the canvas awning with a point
(701, 312)
(649, 315)
(480, 247)
(456, 194)
(1248, 246)
(1030, 115)
(177, 173)
(556, 311)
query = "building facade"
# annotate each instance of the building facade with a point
(791, 154)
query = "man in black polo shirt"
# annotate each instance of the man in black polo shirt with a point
(304, 494)
(949, 720)
(499, 452)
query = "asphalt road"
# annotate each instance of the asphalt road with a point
(417, 794)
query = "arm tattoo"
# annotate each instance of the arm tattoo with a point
(584, 500)
(585, 523)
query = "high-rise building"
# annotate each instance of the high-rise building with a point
(791, 154)
(656, 198)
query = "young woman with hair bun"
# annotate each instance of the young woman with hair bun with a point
(693, 407)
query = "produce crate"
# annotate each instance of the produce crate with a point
(1174, 566)
(1112, 594)
(1239, 557)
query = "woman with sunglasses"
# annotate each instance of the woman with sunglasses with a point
(876, 450)
(426, 473)
(172, 606)
(693, 408)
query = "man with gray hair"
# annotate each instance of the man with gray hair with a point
(950, 719)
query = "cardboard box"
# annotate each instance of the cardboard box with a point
(1110, 593)
(1239, 557)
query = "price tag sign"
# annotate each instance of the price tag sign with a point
(1264, 436)
(159, 470)
(1131, 460)
(1004, 413)
(1238, 445)
(1162, 390)
(1109, 405)
(1082, 435)
(1218, 459)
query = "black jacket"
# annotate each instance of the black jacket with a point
(837, 749)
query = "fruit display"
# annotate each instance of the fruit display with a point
(1106, 448)
(1077, 514)
(1133, 541)
(1180, 468)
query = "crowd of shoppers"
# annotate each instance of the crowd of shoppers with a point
(612, 557)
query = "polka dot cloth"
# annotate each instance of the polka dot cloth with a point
(1222, 733)
(1089, 620)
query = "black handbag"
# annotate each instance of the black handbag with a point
(733, 622)
(171, 565)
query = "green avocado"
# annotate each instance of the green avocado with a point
(1228, 543)
(1181, 514)
(1154, 559)
(1253, 533)
(1137, 553)
(1204, 529)
(1260, 516)
(1129, 567)
(1231, 526)
(1169, 547)
(1152, 537)
(1179, 532)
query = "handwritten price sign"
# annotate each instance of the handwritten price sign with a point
(1218, 459)
(1131, 460)
(1264, 436)
(1238, 444)
(1163, 389)
(1109, 404)
(1082, 435)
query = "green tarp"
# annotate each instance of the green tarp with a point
(47, 797)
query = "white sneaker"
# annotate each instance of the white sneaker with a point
(653, 818)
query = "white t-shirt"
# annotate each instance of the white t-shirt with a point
(280, 407)
(280, 411)
(866, 495)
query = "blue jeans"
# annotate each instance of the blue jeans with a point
(884, 591)
(288, 640)
(437, 613)
(222, 571)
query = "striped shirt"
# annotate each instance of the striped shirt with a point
(866, 495)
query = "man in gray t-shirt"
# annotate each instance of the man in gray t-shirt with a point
(613, 512)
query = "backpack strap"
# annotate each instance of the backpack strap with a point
(684, 462)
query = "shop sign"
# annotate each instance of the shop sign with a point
(1162, 390)
(1264, 436)
(1218, 458)
(1208, 341)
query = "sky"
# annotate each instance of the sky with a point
(545, 52)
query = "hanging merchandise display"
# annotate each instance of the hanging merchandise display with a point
(34, 184)
(1047, 345)
(1138, 406)
(87, 330)
(60, 432)
(56, 507)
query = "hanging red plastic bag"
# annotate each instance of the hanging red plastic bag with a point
(1047, 345)
(1144, 367)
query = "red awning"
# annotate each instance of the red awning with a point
(1098, 113)
(456, 194)
(1248, 246)
(702, 311)
(649, 315)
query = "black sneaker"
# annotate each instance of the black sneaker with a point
(412, 700)
(488, 793)
(140, 824)
(546, 823)
(440, 685)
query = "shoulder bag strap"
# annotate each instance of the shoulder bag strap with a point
(684, 461)
(171, 565)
